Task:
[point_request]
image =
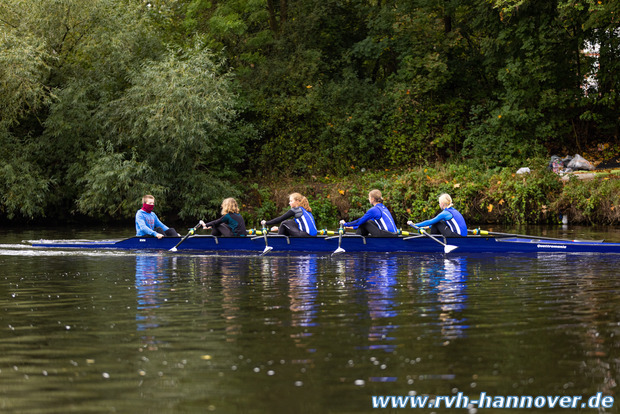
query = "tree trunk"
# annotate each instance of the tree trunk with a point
(273, 20)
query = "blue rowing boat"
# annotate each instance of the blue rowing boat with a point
(350, 243)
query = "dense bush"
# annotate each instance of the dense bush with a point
(590, 201)
(483, 196)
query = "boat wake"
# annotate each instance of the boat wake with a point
(25, 250)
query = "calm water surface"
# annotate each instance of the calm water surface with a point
(105, 332)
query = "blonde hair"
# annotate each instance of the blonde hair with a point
(303, 201)
(296, 196)
(147, 197)
(376, 195)
(445, 200)
(305, 204)
(229, 205)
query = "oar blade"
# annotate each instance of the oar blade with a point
(174, 249)
(266, 250)
(449, 248)
(338, 251)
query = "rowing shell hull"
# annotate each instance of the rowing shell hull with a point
(350, 243)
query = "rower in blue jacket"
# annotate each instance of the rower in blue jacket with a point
(298, 221)
(377, 221)
(147, 222)
(449, 223)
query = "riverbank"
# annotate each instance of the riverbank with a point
(485, 196)
(492, 196)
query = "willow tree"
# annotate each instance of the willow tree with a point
(23, 67)
(97, 109)
(49, 52)
(167, 134)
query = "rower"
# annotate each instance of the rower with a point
(377, 221)
(449, 223)
(147, 222)
(230, 224)
(298, 221)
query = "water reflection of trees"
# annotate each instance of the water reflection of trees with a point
(590, 304)
(440, 288)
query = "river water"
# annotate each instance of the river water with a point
(117, 332)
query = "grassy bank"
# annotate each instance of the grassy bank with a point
(496, 196)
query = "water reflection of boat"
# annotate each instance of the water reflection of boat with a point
(149, 281)
(375, 297)
(446, 278)
(452, 297)
(303, 292)
(381, 304)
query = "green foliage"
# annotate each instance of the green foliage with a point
(351, 128)
(173, 118)
(503, 136)
(177, 106)
(264, 203)
(186, 97)
(590, 201)
(422, 130)
(524, 198)
(23, 68)
(23, 187)
(323, 210)
(482, 196)
(114, 184)
(60, 61)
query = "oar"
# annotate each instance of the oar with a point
(189, 233)
(267, 246)
(447, 248)
(340, 233)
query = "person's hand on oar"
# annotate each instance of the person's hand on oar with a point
(418, 229)
(446, 247)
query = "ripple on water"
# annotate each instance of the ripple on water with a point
(184, 333)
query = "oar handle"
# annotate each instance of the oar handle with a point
(193, 229)
(412, 224)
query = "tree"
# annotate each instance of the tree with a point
(166, 134)
(96, 110)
